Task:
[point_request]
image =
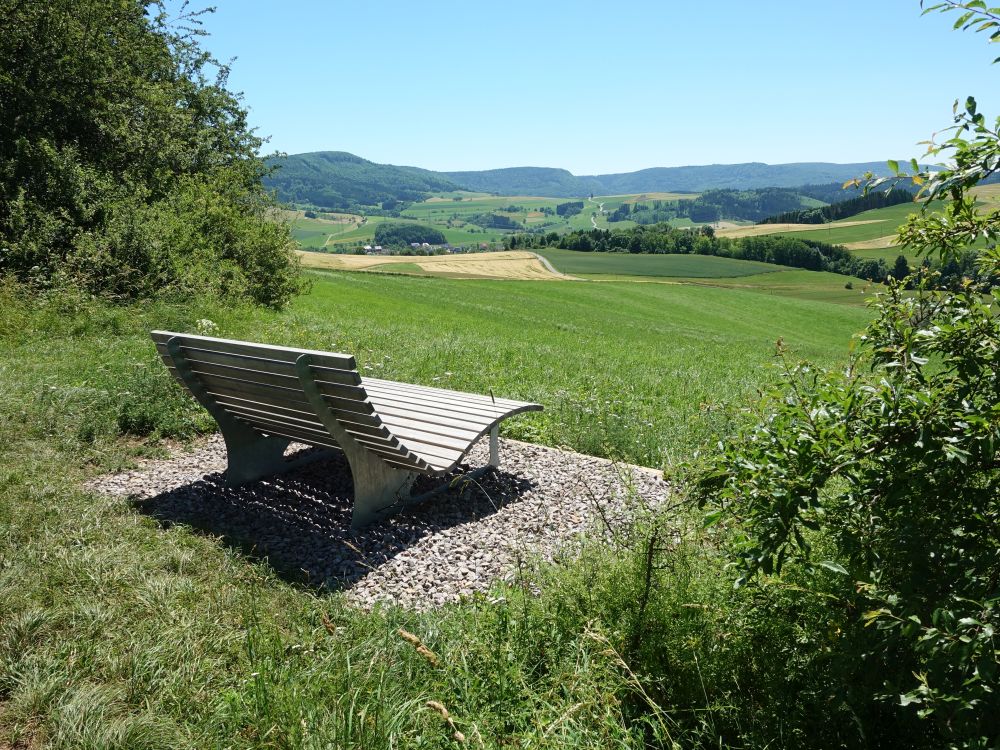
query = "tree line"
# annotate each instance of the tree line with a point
(712, 205)
(665, 239)
(843, 209)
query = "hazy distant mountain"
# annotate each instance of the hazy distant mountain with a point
(545, 181)
(736, 176)
(336, 179)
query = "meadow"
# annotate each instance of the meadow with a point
(221, 651)
(596, 265)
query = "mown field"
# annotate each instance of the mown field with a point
(122, 633)
(516, 264)
(667, 266)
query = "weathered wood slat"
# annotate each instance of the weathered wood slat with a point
(299, 439)
(266, 351)
(391, 416)
(417, 406)
(257, 364)
(212, 380)
(349, 392)
(379, 384)
(241, 374)
(436, 397)
(409, 435)
(265, 394)
(466, 432)
(234, 402)
(348, 405)
(434, 454)
(266, 425)
(241, 411)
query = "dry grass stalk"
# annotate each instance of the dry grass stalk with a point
(325, 618)
(425, 652)
(439, 707)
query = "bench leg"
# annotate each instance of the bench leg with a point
(252, 456)
(495, 446)
(379, 489)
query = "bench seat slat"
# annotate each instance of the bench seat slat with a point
(438, 398)
(392, 415)
(418, 406)
(467, 432)
(408, 436)
(377, 384)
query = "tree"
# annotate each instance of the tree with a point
(124, 168)
(878, 485)
(900, 269)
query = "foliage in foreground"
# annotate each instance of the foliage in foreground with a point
(887, 474)
(124, 170)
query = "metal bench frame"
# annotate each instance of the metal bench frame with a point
(265, 397)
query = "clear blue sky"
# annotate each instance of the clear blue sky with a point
(599, 87)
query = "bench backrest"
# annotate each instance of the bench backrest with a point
(262, 386)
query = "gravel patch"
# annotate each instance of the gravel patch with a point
(453, 545)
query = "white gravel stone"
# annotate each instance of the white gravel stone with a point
(453, 545)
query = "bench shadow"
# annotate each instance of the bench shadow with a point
(299, 522)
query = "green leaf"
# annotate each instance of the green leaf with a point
(834, 567)
(711, 519)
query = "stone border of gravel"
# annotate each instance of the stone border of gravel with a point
(451, 546)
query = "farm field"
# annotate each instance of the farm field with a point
(450, 213)
(818, 286)
(623, 369)
(596, 265)
(501, 265)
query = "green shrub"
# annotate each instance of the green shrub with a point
(124, 170)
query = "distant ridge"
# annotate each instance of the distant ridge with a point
(339, 180)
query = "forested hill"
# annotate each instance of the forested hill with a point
(732, 176)
(339, 180)
(546, 181)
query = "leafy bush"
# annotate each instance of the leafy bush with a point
(887, 474)
(123, 169)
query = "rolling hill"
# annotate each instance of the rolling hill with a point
(338, 180)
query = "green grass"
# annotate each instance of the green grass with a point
(117, 632)
(659, 265)
(818, 286)
(451, 217)
(885, 221)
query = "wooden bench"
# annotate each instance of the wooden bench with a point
(265, 397)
